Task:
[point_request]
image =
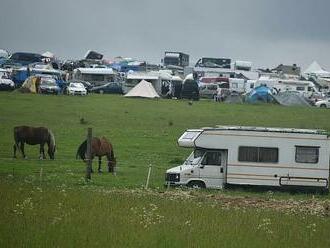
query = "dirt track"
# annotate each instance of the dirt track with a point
(312, 206)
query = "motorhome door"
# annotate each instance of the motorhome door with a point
(212, 169)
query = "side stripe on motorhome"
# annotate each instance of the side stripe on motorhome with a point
(311, 180)
(262, 136)
(277, 167)
(271, 177)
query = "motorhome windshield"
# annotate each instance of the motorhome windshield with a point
(195, 157)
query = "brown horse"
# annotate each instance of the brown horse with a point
(100, 147)
(34, 136)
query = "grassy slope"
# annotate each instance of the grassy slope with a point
(65, 212)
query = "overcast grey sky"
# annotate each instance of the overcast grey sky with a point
(266, 32)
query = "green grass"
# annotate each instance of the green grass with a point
(34, 216)
(143, 132)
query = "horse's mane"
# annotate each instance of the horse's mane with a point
(82, 150)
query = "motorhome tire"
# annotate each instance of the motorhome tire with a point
(323, 106)
(196, 185)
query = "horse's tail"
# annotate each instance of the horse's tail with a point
(82, 150)
(52, 142)
(16, 141)
(16, 135)
(112, 154)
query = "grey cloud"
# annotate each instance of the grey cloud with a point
(263, 31)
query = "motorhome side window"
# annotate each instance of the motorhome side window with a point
(258, 154)
(307, 154)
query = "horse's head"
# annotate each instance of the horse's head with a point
(112, 164)
(51, 151)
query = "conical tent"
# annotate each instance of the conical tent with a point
(143, 89)
(48, 55)
(316, 69)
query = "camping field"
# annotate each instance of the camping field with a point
(48, 203)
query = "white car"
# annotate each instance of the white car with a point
(76, 89)
(323, 103)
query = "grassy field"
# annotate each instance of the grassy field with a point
(57, 207)
(62, 216)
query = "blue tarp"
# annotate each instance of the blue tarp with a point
(260, 94)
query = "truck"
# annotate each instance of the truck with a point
(260, 156)
(176, 59)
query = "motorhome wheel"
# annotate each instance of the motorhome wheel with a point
(196, 185)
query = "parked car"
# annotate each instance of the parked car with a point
(208, 90)
(323, 103)
(48, 86)
(5, 82)
(112, 88)
(76, 89)
(211, 90)
(88, 86)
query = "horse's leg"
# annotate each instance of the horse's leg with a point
(22, 149)
(42, 151)
(100, 160)
(15, 148)
(110, 165)
(92, 164)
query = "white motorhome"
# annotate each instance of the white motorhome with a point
(232, 155)
(305, 88)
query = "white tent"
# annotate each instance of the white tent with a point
(48, 55)
(143, 89)
(316, 69)
(3, 54)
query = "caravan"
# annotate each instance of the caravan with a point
(96, 76)
(232, 155)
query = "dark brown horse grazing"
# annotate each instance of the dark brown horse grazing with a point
(34, 136)
(100, 147)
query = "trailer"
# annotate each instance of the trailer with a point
(235, 155)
